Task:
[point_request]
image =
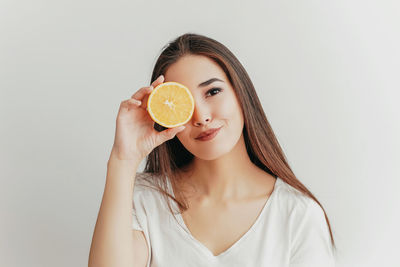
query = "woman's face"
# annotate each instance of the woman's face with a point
(216, 105)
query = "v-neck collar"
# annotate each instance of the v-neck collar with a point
(205, 249)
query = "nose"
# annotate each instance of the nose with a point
(201, 116)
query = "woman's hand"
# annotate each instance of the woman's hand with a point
(135, 136)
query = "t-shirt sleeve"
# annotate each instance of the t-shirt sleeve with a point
(140, 209)
(311, 245)
(135, 221)
(138, 213)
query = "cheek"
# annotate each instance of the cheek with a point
(229, 108)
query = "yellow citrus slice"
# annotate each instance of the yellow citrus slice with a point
(170, 104)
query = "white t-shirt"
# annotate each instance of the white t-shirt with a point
(290, 231)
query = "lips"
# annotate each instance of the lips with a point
(208, 132)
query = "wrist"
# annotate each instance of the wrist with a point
(117, 155)
(114, 160)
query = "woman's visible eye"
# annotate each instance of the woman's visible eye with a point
(214, 90)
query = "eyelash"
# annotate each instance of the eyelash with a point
(217, 89)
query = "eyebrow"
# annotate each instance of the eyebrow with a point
(209, 82)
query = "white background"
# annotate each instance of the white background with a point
(327, 73)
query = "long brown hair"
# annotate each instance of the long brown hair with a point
(261, 144)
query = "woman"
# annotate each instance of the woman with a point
(235, 200)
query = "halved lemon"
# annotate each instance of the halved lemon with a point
(170, 104)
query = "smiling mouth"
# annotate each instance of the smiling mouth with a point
(209, 136)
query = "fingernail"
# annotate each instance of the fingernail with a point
(161, 76)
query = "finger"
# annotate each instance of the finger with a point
(130, 103)
(158, 81)
(144, 102)
(142, 92)
(134, 102)
(168, 134)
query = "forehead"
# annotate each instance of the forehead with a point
(191, 70)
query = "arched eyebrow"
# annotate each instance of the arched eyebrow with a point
(209, 82)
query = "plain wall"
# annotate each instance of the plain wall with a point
(327, 73)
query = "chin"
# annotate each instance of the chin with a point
(211, 152)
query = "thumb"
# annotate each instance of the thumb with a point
(169, 133)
